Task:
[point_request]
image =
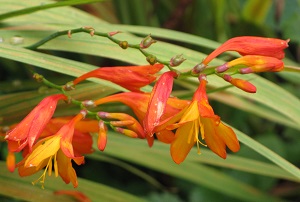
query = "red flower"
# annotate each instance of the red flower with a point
(130, 77)
(251, 45)
(31, 127)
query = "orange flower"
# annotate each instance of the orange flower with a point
(130, 77)
(198, 117)
(251, 45)
(138, 102)
(57, 149)
(31, 127)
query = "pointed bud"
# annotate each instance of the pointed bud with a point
(222, 68)
(151, 59)
(69, 86)
(257, 63)
(198, 68)
(88, 104)
(123, 44)
(122, 123)
(146, 42)
(126, 132)
(11, 161)
(102, 136)
(176, 60)
(241, 84)
(114, 33)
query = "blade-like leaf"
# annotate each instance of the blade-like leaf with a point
(21, 188)
(158, 158)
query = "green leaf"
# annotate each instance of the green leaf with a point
(43, 6)
(158, 158)
(21, 188)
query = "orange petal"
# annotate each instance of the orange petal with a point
(229, 137)
(213, 141)
(129, 77)
(165, 136)
(180, 147)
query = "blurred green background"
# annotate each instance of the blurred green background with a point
(217, 20)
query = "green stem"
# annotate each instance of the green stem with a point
(92, 32)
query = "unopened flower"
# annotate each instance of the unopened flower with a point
(124, 120)
(240, 83)
(31, 127)
(251, 45)
(102, 136)
(147, 41)
(177, 60)
(253, 63)
(129, 77)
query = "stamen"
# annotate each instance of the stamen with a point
(42, 178)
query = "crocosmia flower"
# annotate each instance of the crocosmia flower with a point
(56, 152)
(251, 45)
(129, 77)
(198, 119)
(31, 127)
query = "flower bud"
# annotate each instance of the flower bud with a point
(114, 33)
(122, 123)
(198, 68)
(88, 103)
(102, 136)
(177, 60)
(241, 84)
(127, 132)
(151, 59)
(222, 68)
(69, 86)
(147, 41)
(123, 44)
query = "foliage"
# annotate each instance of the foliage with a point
(266, 168)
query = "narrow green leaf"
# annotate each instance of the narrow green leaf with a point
(269, 154)
(158, 158)
(45, 5)
(21, 188)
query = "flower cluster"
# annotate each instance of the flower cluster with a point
(53, 143)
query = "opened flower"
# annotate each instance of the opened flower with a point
(56, 152)
(198, 119)
(31, 127)
(129, 77)
(138, 102)
(251, 45)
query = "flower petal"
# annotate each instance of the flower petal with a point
(158, 101)
(180, 147)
